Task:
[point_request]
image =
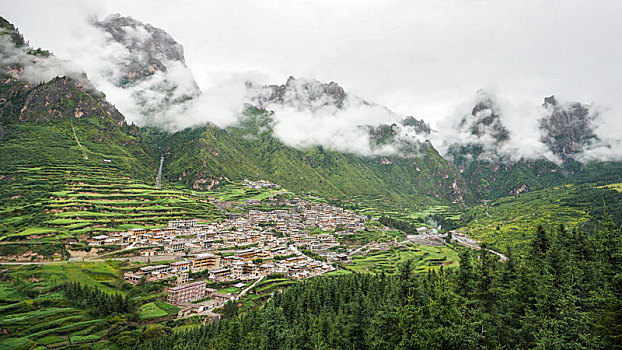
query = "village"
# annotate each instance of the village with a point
(241, 248)
(297, 239)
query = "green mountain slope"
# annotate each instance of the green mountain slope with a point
(74, 176)
(72, 166)
(511, 221)
(203, 157)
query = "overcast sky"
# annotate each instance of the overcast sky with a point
(422, 58)
(416, 57)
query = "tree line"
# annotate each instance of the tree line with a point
(98, 302)
(564, 293)
(403, 226)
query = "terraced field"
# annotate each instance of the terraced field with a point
(35, 313)
(47, 204)
(424, 258)
(264, 290)
(157, 309)
(512, 221)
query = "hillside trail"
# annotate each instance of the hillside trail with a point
(78, 142)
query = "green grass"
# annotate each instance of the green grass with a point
(424, 257)
(239, 192)
(77, 339)
(16, 343)
(337, 273)
(171, 310)
(229, 290)
(511, 221)
(72, 200)
(50, 339)
(617, 187)
(32, 316)
(33, 311)
(263, 290)
(151, 310)
(269, 288)
(9, 293)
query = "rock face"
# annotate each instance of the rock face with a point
(567, 129)
(64, 97)
(409, 136)
(405, 137)
(419, 126)
(68, 93)
(152, 49)
(481, 134)
(152, 68)
(301, 94)
(484, 120)
(478, 154)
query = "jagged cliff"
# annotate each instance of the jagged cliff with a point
(301, 94)
(66, 109)
(567, 129)
(150, 65)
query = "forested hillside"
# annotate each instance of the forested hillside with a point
(511, 220)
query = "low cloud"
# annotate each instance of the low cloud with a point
(35, 69)
(406, 67)
(607, 128)
(343, 130)
(524, 133)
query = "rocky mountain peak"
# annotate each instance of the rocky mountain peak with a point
(151, 66)
(420, 126)
(290, 80)
(302, 94)
(152, 49)
(549, 101)
(480, 135)
(484, 120)
(567, 128)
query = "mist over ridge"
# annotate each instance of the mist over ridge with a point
(182, 88)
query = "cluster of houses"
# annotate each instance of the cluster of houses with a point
(244, 265)
(259, 184)
(140, 237)
(274, 228)
(303, 214)
(243, 247)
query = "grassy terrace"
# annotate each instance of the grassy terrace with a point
(424, 258)
(239, 192)
(264, 290)
(75, 200)
(35, 314)
(511, 221)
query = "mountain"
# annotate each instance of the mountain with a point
(477, 155)
(71, 165)
(491, 172)
(301, 94)
(482, 134)
(63, 130)
(40, 120)
(150, 65)
(567, 129)
(414, 175)
(205, 156)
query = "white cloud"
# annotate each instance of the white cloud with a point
(342, 130)
(424, 59)
(35, 69)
